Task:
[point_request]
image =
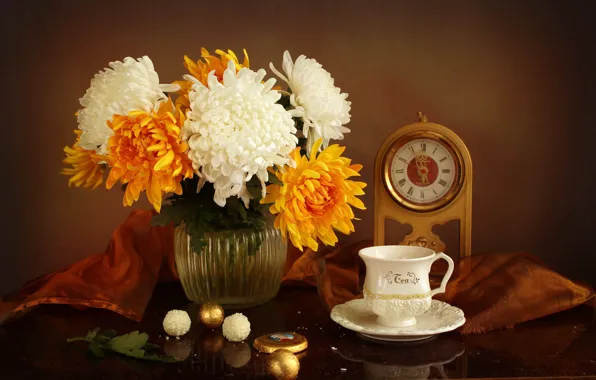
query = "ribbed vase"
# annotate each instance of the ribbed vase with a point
(236, 268)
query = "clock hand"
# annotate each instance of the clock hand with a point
(423, 176)
(422, 169)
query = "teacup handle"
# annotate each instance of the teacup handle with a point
(441, 289)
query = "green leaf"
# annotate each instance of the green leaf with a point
(200, 215)
(150, 347)
(96, 349)
(92, 334)
(134, 345)
(197, 242)
(274, 180)
(196, 231)
(169, 214)
(255, 189)
(136, 353)
(235, 208)
(128, 342)
(108, 334)
(160, 220)
(253, 248)
(105, 336)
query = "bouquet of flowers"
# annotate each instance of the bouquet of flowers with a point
(225, 143)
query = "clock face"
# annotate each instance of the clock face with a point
(422, 172)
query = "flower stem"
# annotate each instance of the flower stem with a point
(78, 339)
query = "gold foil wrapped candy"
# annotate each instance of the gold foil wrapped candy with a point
(290, 341)
(211, 315)
(283, 364)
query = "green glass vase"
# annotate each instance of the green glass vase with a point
(236, 268)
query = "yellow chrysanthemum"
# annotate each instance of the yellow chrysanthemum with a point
(202, 68)
(316, 196)
(86, 170)
(148, 154)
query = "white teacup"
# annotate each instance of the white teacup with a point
(397, 285)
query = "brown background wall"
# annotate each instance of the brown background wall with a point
(516, 80)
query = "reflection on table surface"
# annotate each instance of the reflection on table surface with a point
(34, 346)
(438, 357)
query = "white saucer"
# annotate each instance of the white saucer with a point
(440, 317)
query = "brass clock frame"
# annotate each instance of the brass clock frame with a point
(455, 187)
(456, 204)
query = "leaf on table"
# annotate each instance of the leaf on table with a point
(92, 334)
(150, 347)
(109, 333)
(136, 353)
(128, 342)
(105, 336)
(134, 344)
(96, 349)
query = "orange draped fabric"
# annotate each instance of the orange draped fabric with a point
(120, 279)
(494, 291)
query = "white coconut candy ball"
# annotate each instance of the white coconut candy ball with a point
(176, 323)
(236, 327)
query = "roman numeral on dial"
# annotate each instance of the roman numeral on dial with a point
(411, 191)
(401, 182)
(403, 160)
(446, 170)
(442, 182)
(421, 194)
(423, 147)
(400, 171)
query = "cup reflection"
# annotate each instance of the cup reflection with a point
(441, 357)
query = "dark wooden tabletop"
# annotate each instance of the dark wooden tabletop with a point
(34, 346)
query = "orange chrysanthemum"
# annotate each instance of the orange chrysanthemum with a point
(201, 70)
(86, 170)
(148, 154)
(316, 196)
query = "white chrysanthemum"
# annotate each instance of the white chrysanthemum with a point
(322, 106)
(236, 130)
(125, 86)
